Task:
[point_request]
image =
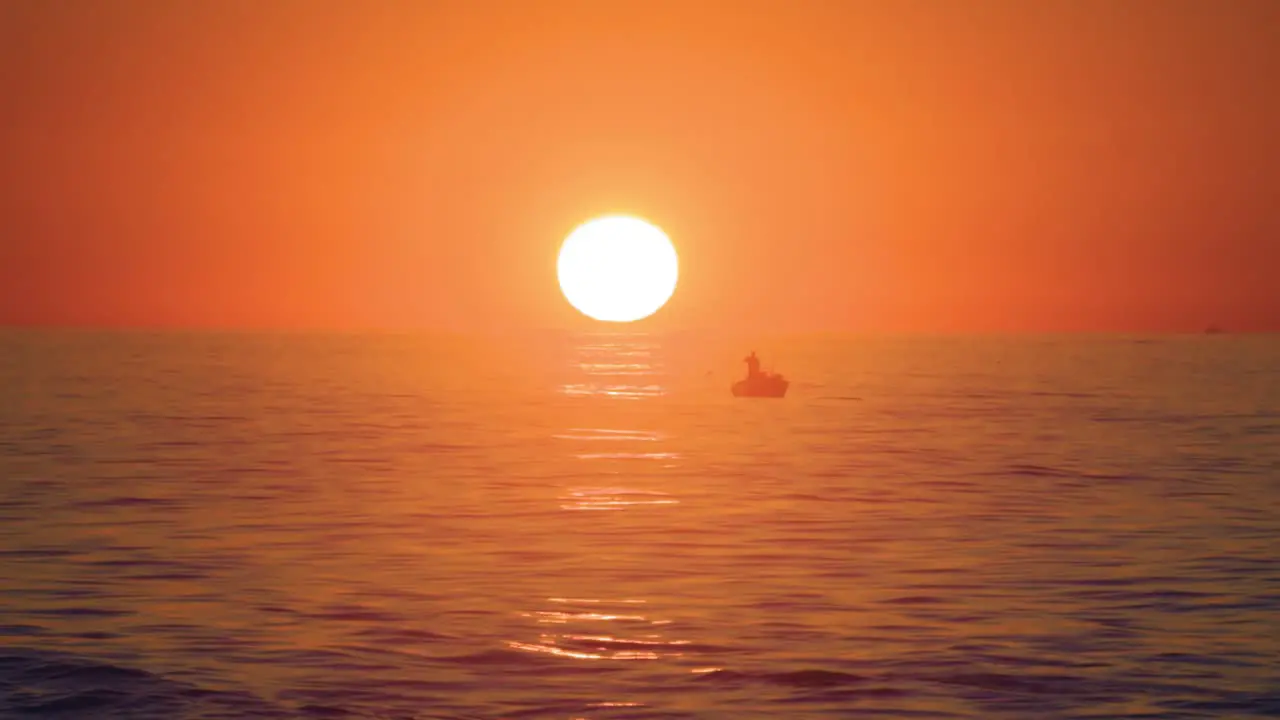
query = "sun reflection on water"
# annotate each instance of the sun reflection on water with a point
(608, 435)
(603, 440)
(627, 456)
(617, 498)
(614, 370)
(645, 642)
(622, 392)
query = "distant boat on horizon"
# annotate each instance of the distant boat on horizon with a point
(1214, 329)
(767, 385)
(759, 384)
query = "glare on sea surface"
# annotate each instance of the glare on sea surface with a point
(647, 643)
(617, 467)
(619, 370)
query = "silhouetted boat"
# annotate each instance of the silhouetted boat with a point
(1213, 329)
(770, 385)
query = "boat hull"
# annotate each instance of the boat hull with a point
(768, 387)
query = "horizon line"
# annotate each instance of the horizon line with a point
(602, 330)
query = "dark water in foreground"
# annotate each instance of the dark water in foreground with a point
(257, 526)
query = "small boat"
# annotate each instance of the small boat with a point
(757, 383)
(770, 385)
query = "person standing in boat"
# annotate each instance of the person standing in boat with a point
(753, 365)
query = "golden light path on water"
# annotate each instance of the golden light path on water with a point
(599, 628)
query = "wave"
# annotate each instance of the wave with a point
(45, 683)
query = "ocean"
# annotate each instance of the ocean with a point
(589, 526)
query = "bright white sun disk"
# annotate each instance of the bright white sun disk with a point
(617, 268)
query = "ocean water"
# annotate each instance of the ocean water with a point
(205, 525)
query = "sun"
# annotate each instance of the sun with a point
(617, 268)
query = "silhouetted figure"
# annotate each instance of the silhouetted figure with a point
(753, 365)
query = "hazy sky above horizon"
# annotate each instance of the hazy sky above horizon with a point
(859, 164)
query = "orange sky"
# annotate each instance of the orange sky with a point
(838, 164)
